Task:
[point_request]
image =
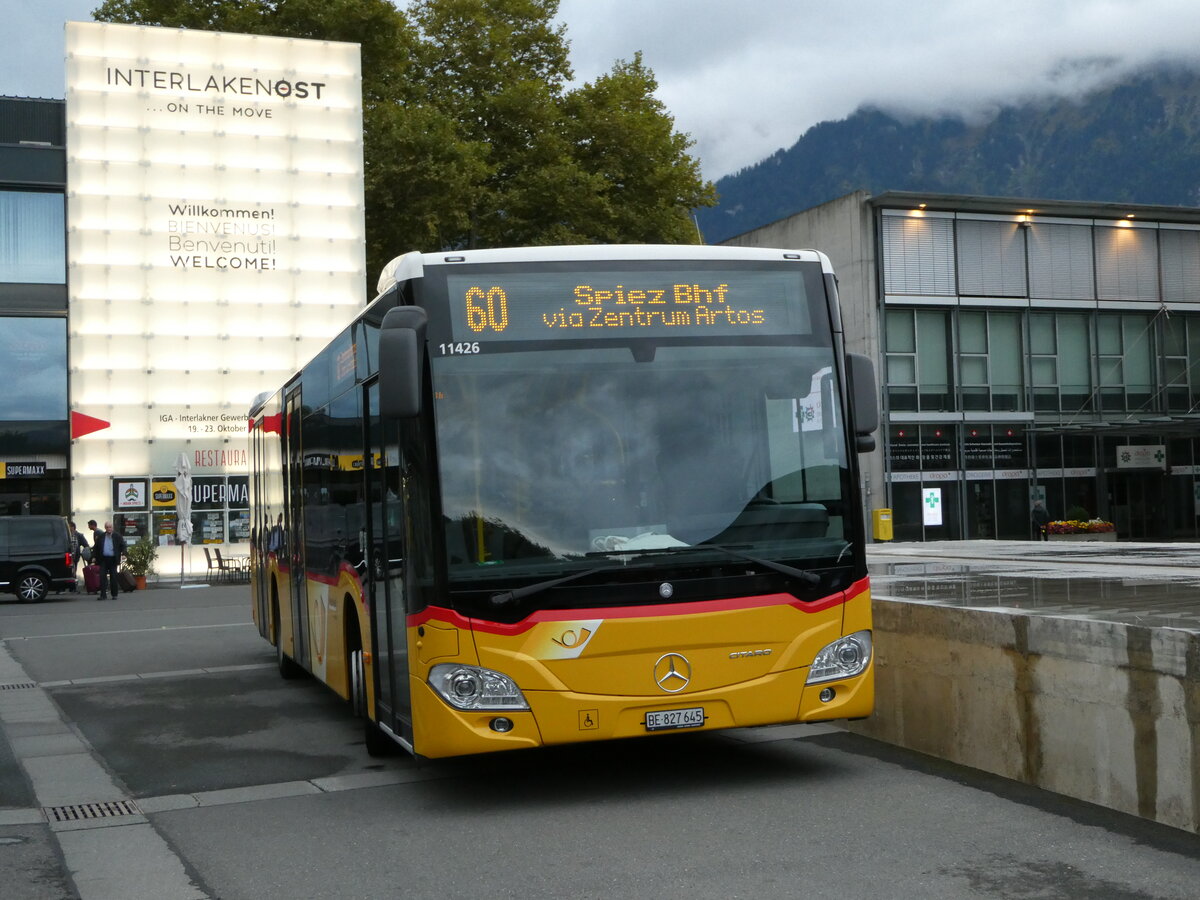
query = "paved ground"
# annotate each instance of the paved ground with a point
(240, 785)
(1133, 583)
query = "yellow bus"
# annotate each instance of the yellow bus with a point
(550, 495)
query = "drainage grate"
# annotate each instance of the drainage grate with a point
(81, 812)
(18, 685)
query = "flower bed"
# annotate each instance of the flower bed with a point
(1077, 526)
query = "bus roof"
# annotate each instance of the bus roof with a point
(411, 265)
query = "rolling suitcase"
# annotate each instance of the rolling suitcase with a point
(91, 578)
(125, 579)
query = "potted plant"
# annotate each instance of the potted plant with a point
(139, 559)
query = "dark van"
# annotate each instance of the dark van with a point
(35, 556)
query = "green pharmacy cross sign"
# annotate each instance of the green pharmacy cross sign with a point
(931, 501)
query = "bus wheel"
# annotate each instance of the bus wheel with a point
(378, 743)
(358, 684)
(288, 667)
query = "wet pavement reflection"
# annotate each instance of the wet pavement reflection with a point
(1139, 584)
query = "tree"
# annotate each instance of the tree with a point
(471, 137)
(496, 68)
(386, 41)
(623, 134)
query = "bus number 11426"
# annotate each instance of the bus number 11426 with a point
(459, 349)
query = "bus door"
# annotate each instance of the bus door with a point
(293, 525)
(259, 529)
(385, 563)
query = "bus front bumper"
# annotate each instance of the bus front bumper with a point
(562, 717)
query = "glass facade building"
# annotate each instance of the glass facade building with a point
(1027, 350)
(34, 427)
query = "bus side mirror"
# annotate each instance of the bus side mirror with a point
(401, 362)
(864, 400)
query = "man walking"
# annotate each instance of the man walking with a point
(79, 544)
(107, 553)
(1041, 518)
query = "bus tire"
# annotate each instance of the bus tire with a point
(378, 743)
(358, 684)
(288, 667)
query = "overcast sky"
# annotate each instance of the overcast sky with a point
(747, 77)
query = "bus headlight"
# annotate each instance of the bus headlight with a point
(471, 687)
(844, 658)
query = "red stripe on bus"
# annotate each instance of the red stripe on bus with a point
(450, 617)
(344, 568)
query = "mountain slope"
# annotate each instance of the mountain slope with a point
(1135, 141)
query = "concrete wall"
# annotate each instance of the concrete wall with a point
(1103, 712)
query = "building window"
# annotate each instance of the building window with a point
(1126, 263)
(918, 360)
(939, 447)
(991, 259)
(32, 242)
(1047, 451)
(901, 360)
(1060, 262)
(34, 351)
(1126, 361)
(904, 448)
(1181, 363)
(1180, 264)
(922, 448)
(918, 255)
(1060, 362)
(1079, 451)
(977, 448)
(990, 361)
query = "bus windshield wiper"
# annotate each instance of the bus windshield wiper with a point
(781, 568)
(503, 598)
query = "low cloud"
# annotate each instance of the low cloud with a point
(747, 79)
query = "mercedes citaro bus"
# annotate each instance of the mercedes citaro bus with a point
(560, 494)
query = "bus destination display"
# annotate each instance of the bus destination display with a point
(634, 304)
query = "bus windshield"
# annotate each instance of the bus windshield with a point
(557, 459)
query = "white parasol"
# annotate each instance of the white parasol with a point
(183, 506)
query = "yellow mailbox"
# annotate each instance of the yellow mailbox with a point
(881, 524)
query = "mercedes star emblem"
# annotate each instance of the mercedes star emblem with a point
(672, 672)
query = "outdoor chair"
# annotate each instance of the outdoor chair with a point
(212, 566)
(235, 568)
